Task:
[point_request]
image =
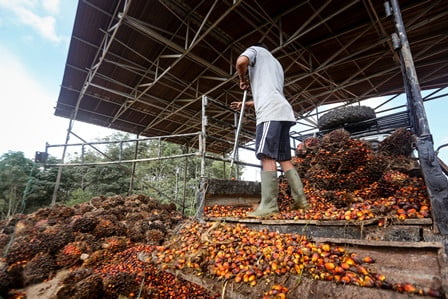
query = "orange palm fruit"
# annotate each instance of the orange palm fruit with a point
(330, 266)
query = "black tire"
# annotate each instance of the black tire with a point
(339, 117)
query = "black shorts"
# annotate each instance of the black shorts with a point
(272, 140)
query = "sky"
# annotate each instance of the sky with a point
(34, 41)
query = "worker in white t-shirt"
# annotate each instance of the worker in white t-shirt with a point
(263, 73)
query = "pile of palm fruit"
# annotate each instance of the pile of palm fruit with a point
(135, 247)
(98, 242)
(256, 259)
(345, 179)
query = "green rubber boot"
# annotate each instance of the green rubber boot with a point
(296, 186)
(269, 193)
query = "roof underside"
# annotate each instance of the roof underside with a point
(142, 66)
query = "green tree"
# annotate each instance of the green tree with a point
(43, 182)
(109, 179)
(15, 172)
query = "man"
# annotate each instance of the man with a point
(274, 119)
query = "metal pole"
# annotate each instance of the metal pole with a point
(59, 175)
(436, 182)
(131, 183)
(200, 200)
(224, 165)
(185, 180)
(238, 129)
(204, 134)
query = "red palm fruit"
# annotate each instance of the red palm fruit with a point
(368, 282)
(356, 258)
(368, 260)
(380, 277)
(362, 270)
(340, 249)
(349, 261)
(326, 247)
(238, 278)
(330, 266)
(345, 279)
(409, 288)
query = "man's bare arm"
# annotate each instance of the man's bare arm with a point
(242, 63)
(237, 105)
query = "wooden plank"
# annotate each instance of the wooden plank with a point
(232, 188)
(420, 221)
(405, 233)
(443, 263)
(421, 270)
(237, 201)
(233, 219)
(320, 222)
(380, 243)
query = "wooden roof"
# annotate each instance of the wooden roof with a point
(142, 66)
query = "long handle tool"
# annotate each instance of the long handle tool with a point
(238, 129)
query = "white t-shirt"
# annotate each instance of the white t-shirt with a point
(266, 81)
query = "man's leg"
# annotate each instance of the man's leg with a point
(269, 182)
(269, 164)
(291, 174)
(269, 194)
(296, 186)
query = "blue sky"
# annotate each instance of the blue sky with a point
(34, 39)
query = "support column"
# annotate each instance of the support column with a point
(186, 151)
(200, 200)
(436, 182)
(59, 175)
(134, 164)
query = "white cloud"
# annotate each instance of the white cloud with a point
(52, 6)
(27, 119)
(45, 26)
(23, 10)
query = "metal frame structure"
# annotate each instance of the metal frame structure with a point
(310, 126)
(148, 67)
(198, 137)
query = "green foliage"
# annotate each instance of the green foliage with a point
(15, 172)
(220, 170)
(78, 196)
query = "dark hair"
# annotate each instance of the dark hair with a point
(262, 45)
